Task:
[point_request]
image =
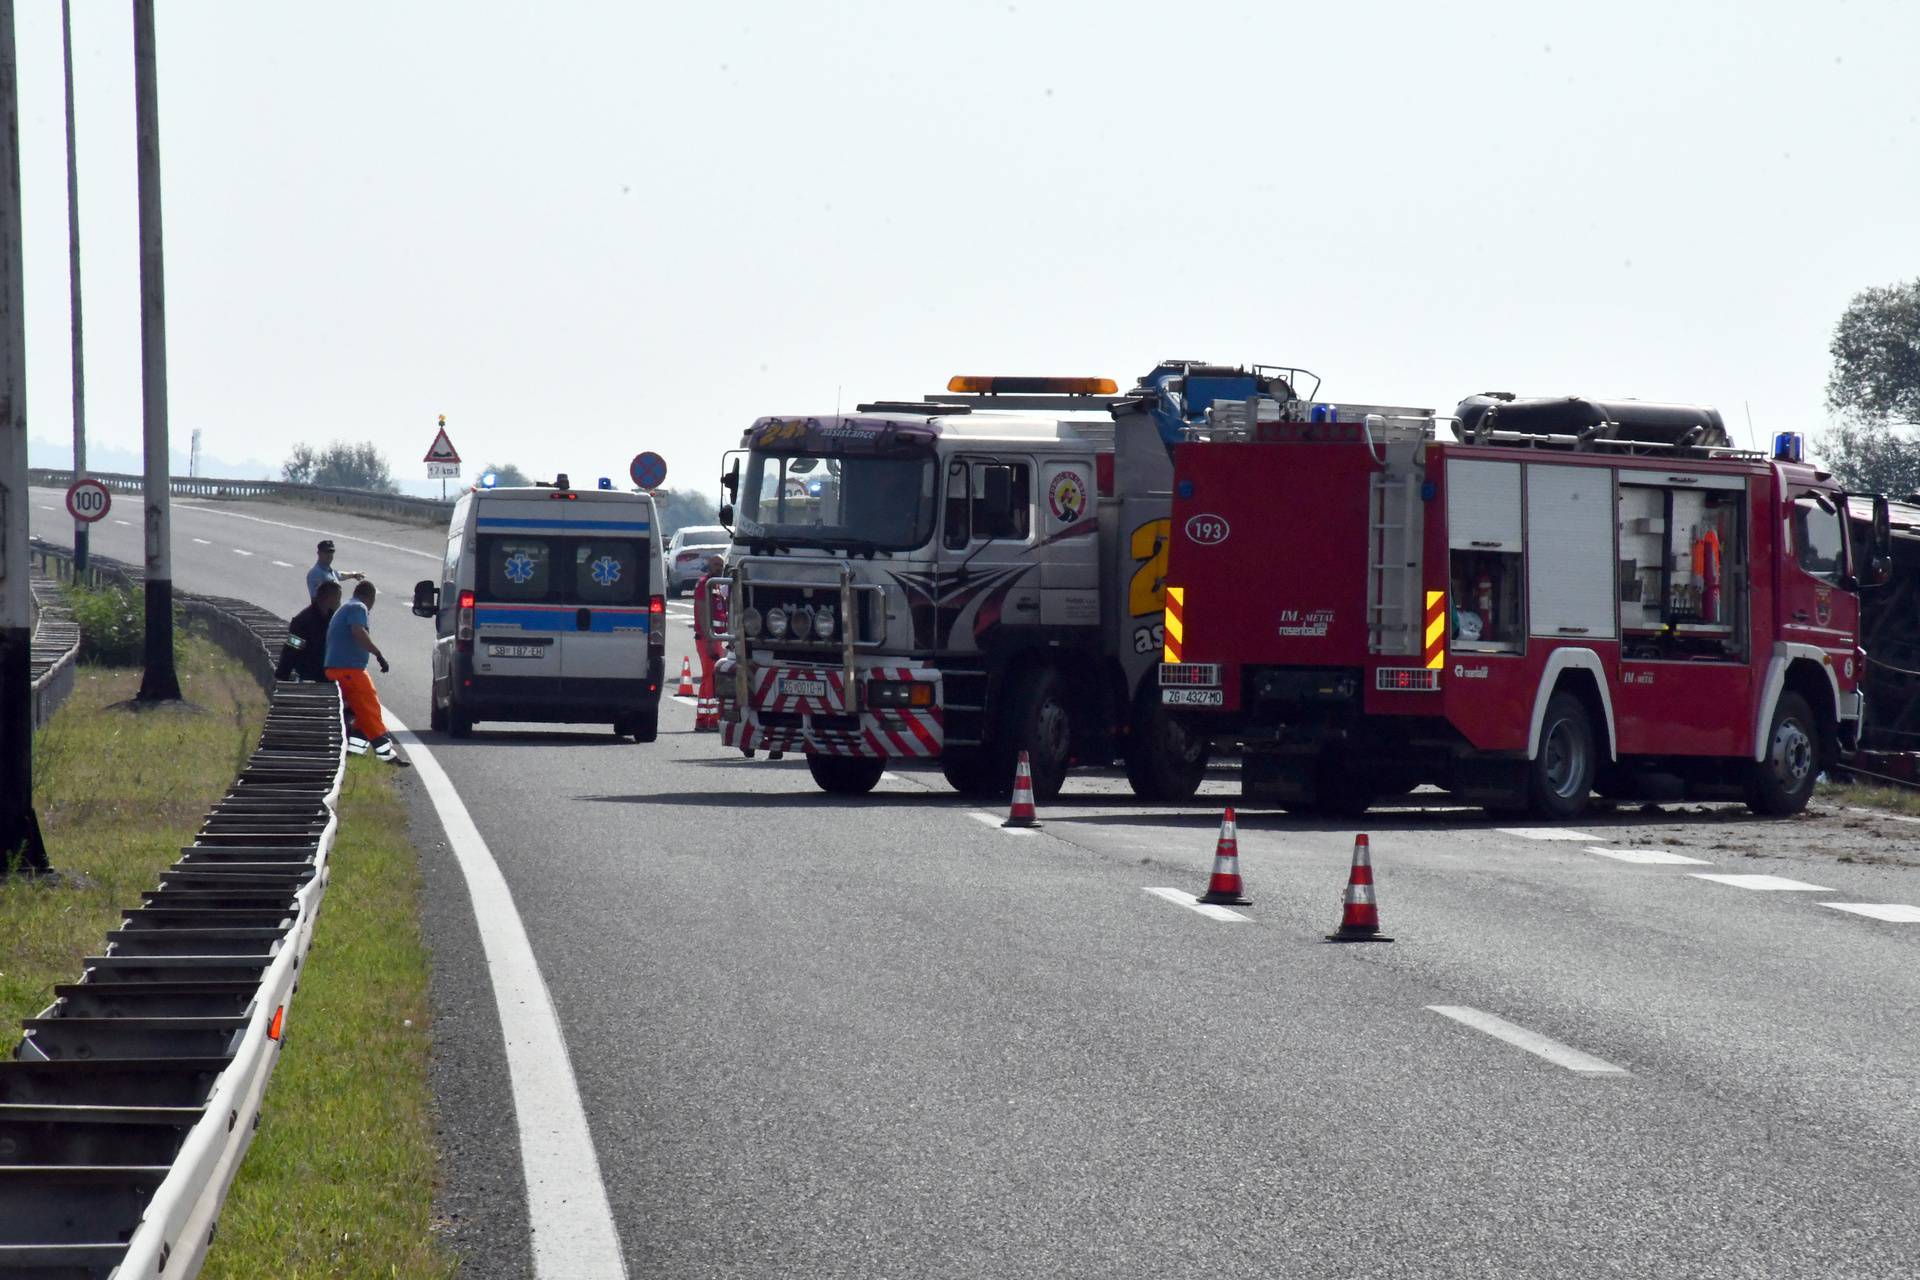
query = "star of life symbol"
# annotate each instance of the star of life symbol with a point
(519, 567)
(606, 571)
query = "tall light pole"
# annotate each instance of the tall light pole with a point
(20, 843)
(158, 683)
(73, 287)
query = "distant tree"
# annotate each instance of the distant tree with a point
(340, 466)
(507, 476)
(680, 508)
(1875, 388)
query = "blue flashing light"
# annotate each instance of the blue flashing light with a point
(815, 487)
(489, 480)
(1788, 446)
(605, 483)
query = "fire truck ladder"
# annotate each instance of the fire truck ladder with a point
(1391, 563)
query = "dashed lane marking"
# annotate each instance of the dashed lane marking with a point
(1211, 911)
(1545, 833)
(1654, 857)
(239, 552)
(204, 542)
(998, 824)
(1778, 884)
(1533, 1042)
(1892, 912)
(567, 1205)
(124, 522)
(44, 507)
(280, 564)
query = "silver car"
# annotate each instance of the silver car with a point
(687, 554)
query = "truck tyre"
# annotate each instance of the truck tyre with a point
(1164, 762)
(1782, 783)
(1560, 778)
(845, 775)
(1039, 721)
(973, 772)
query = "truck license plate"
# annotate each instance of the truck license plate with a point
(514, 650)
(1192, 697)
(803, 688)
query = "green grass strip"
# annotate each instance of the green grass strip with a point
(339, 1180)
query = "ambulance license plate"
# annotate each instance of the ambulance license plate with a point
(803, 688)
(515, 650)
(1192, 697)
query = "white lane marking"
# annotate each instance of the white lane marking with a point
(1773, 883)
(1211, 911)
(237, 551)
(278, 564)
(1545, 833)
(1882, 813)
(567, 1207)
(1892, 912)
(44, 507)
(998, 823)
(213, 510)
(203, 542)
(125, 522)
(1533, 1042)
(1659, 857)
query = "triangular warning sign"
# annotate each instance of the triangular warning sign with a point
(442, 450)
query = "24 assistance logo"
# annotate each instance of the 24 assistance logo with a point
(1067, 497)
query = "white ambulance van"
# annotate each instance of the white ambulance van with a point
(551, 608)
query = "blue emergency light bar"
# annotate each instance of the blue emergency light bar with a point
(1787, 446)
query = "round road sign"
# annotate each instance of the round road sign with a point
(88, 500)
(649, 470)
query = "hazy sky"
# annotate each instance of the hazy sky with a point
(581, 230)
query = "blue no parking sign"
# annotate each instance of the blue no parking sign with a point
(649, 470)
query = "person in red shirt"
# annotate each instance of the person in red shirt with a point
(710, 612)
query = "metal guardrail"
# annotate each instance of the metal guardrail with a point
(357, 501)
(134, 1095)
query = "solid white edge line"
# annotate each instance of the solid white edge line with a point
(1211, 910)
(212, 510)
(1532, 1041)
(570, 1217)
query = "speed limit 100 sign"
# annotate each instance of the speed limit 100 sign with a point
(88, 500)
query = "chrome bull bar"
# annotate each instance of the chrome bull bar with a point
(847, 645)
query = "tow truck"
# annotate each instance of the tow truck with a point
(1522, 602)
(961, 578)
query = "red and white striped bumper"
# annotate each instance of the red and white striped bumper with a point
(818, 723)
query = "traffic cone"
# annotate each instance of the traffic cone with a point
(686, 678)
(1359, 913)
(706, 716)
(1021, 814)
(1225, 889)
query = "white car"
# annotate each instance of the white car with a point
(688, 552)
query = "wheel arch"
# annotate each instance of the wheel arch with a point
(1581, 673)
(1805, 670)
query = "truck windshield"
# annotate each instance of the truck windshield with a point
(861, 503)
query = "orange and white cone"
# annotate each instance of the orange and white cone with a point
(1022, 814)
(1359, 913)
(706, 716)
(1226, 889)
(686, 678)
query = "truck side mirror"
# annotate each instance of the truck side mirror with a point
(726, 514)
(426, 598)
(1882, 528)
(730, 479)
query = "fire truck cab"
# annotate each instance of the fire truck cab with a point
(1567, 595)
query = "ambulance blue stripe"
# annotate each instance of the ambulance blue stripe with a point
(501, 522)
(526, 620)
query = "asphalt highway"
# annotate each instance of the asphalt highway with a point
(889, 1038)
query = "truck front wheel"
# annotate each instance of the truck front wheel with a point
(1040, 722)
(1165, 763)
(845, 775)
(1782, 782)
(1561, 776)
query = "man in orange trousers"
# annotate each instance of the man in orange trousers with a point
(349, 643)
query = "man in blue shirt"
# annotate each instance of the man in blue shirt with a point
(323, 570)
(349, 642)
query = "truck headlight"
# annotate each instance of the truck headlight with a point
(750, 622)
(823, 624)
(777, 623)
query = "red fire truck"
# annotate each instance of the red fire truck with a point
(1521, 603)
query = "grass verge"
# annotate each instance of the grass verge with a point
(118, 793)
(339, 1182)
(1868, 796)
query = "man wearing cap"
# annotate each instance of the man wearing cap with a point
(323, 570)
(349, 643)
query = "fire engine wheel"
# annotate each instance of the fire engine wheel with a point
(845, 775)
(1782, 782)
(1040, 722)
(1561, 776)
(1164, 762)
